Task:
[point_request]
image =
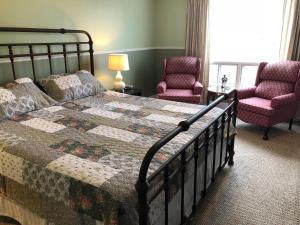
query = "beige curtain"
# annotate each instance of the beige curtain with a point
(197, 36)
(290, 37)
(294, 50)
(290, 40)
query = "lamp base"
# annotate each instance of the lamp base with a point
(119, 85)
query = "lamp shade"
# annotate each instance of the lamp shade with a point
(118, 62)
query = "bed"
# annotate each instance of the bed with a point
(109, 158)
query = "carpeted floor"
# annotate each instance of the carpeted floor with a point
(263, 187)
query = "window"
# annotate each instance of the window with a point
(243, 33)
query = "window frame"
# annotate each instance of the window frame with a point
(239, 70)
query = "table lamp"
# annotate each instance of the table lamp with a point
(118, 62)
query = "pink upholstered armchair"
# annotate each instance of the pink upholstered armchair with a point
(181, 80)
(274, 97)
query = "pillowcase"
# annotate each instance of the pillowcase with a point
(72, 86)
(20, 97)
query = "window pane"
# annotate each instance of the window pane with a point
(248, 76)
(213, 75)
(230, 72)
(245, 30)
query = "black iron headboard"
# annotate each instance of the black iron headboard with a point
(31, 54)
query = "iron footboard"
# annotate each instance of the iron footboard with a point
(211, 132)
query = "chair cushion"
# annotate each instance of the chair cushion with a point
(185, 65)
(269, 89)
(286, 71)
(180, 81)
(180, 95)
(256, 105)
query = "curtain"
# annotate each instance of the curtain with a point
(290, 40)
(294, 51)
(290, 37)
(197, 36)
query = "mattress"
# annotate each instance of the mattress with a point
(78, 162)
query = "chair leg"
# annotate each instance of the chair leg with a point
(291, 124)
(266, 134)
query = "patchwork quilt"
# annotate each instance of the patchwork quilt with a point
(77, 163)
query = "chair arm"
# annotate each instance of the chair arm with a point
(197, 88)
(246, 92)
(283, 100)
(161, 87)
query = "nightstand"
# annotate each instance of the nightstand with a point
(131, 91)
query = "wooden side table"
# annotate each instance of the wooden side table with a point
(214, 92)
(132, 91)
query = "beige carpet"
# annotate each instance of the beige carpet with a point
(263, 187)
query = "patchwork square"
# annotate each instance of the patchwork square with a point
(146, 130)
(164, 119)
(79, 124)
(92, 153)
(115, 133)
(11, 166)
(180, 109)
(46, 115)
(103, 113)
(130, 113)
(146, 141)
(93, 173)
(127, 163)
(6, 96)
(47, 182)
(53, 109)
(8, 140)
(123, 106)
(43, 125)
(66, 82)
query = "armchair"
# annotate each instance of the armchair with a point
(181, 80)
(274, 97)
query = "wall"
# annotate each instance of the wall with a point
(114, 25)
(148, 30)
(169, 38)
(170, 19)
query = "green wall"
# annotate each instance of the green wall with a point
(170, 19)
(148, 30)
(169, 38)
(113, 24)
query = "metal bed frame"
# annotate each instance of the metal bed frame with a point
(31, 54)
(210, 132)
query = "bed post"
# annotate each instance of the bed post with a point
(92, 57)
(232, 142)
(143, 206)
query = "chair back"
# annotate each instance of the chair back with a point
(182, 72)
(280, 78)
